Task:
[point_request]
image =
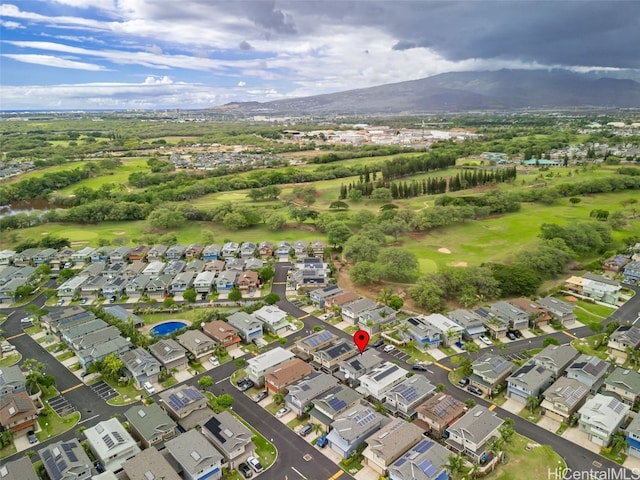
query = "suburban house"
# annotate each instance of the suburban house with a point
(403, 399)
(197, 343)
(93, 287)
(230, 437)
(69, 288)
(215, 266)
(559, 310)
(196, 457)
(138, 253)
(248, 327)
(338, 301)
(471, 434)
(277, 379)
(422, 333)
(114, 270)
(159, 286)
(21, 469)
(137, 285)
(44, 257)
(258, 366)
(133, 269)
(328, 358)
(600, 288)
(156, 252)
(615, 263)
(18, 413)
(83, 255)
(70, 334)
(387, 444)
(300, 248)
(633, 437)
(530, 380)
(114, 287)
(319, 295)
(203, 282)
(126, 316)
(174, 267)
(120, 255)
(317, 248)
(234, 264)
(222, 333)
(516, 318)
(174, 252)
(248, 281)
(601, 417)
(150, 425)
(154, 268)
(471, 323)
(537, 314)
(371, 321)
(265, 249)
(306, 347)
(423, 462)
(437, 413)
(632, 272)
(195, 265)
(148, 464)
(302, 393)
(564, 398)
(141, 366)
(9, 291)
(351, 370)
(380, 379)
(93, 270)
(449, 331)
(12, 380)
(273, 319)
(230, 249)
(211, 252)
(248, 249)
(61, 258)
(25, 257)
(77, 341)
(53, 321)
(353, 427)
(181, 282)
(225, 281)
(6, 256)
(170, 354)
(101, 255)
(97, 352)
(283, 249)
(181, 401)
(329, 405)
(66, 460)
(624, 338)
(555, 358)
(309, 278)
(352, 311)
(590, 370)
(490, 372)
(111, 444)
(254, 264)
(193, 251)
(624, 385)
(496, 326)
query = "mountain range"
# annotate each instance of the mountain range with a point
(462, 92)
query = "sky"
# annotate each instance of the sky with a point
(145, 54)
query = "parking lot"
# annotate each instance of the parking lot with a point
(104, 390)
(298, 303)
(60, 405)
(400, 355)
(517, 356)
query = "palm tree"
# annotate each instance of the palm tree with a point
(471, 348)
(532, 403)
(384, 296)
(455, 466)
(474, 472)
(633, 355)
(278, 398)
(495, 446)
(317, 428)
(618, 442)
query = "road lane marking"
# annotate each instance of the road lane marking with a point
(568, 334)
(442, 366)
(336, 475)
(15, 336)
(223, 380)
(87, 419)
(294, 469)
(71, 388)
(492, 407)
(279, 283)
(304, 316)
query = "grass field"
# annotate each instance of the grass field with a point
(39, 173)
(120, 176)
(527, 465)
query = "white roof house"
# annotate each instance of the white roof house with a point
(449, 330)
(601, 416)
(111, 443)
(381, 379)
(257, 366)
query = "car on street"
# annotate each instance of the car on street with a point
(31, 436)
(255, 464)
(27, 320)
(463, 382)
(484, 339)
(214, 361)
(306, 430)
(322, 441)
(282, 412)
(474, 389)
(245, 470)
(419, 367)
(378, 343)
(260, 396)
(60, 302)
(511, 336)
(389, 349)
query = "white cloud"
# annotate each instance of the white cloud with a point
(158, 80)
(241, 83)
(51, 61)
(11, 25)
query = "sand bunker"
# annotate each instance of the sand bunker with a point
(459, 264)
(444, 250)
(121, 233)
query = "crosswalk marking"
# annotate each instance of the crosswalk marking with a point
(72, 388)
(568, 334)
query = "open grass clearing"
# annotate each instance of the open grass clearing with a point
(521, 464)
(53, 424)
(9, 359)
(593, 345)
(119, 177)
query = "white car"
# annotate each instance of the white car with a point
(8, 348)
(149, 388)
(282, 412)
(27, 320)
(255, 464)
(389, 349)
(60, 302)
(326, 316)
(485, 340)
(214, 361)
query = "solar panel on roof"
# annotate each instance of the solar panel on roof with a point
(305, 387)
(69, 451)
(502, 366)
(365, 417)
(108, 441)
(193, 394)
(413, 321)
(423, 446)
(400, 462)
(337, 404)
(427, 467)
(409, 394)
(118, 437)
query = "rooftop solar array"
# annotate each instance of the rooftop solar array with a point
(501, 366)
(319, 338)
(385, 372)
(68, 449)
(408, 392)
(365, 417)
(423, 446)
(616, 406)
(413, 321)
(336, 404)
(108, 441)
(575, 394)
(305, 387)
(183, 397)
(427, 467)
(441, 408)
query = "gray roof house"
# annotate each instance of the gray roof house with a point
(196, 265)
(589, 370)
(471, 322)
(564, 398)
(120, 254)
(182, 281)
(141, 366)
(71, 332)
(170, 354)
(155, 268)
(156, 252)
(150, 425)
(149, 464)
(133, 269)
(319, 295)
(70, 288)
(530, 380)
(309, 278)
(328, 358)
(274, 320)
(77, 341)
(601, 417)
(196, 457)
(561, 311)
(115, 287)
(353, 426)
(211, 252)
(197, 343)
(204, 281)
(125, 315)
(113, 270)
(225, 281)
(471, 434)
(66, 460)
(93, 287)
(93, 270)
(248, 326)
(248, 249)
(159, 286)
(55, 320)
(302, 393)
(306, 346)
(21, 469)
(111, 444)
(258, 366)
(555, 358)
(234, 264)
(330, 404)
(174, 267)
(517, 318)
(624, 337)
(423, 462)
(229, 249)
(390, 442)
(98, 352)
(138, 285)
(403, 399)
(352, 311)
(352, 369)
(230, 437)
(181, 401)
(490, 372)
(12, 380)
(624, 384)
(381, 379)
(175, 252)
(372, 320)
(44, 256)
(633, 437)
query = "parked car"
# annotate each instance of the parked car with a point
(517, 333)
(322, 441)
(484, 339)
(149, 388)
(27, 320)
(261, 396)
(240, 381)
(245, 470)
(378, 343)
(463, 382)
(461, 345)
(419, 367)
(511, 336)
(83, 301)
(306, 430)
(214, 361)
(112, 300)
(389, 349)
(246, 385)
(255, 464)
(32, 437)
(8, 348)
(282, 412)
(60, 302)
(474, 389)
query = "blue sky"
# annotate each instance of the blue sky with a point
(123, 54)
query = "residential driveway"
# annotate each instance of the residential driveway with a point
(513, 406)
(546, 329)
(437, 353)
(287, 418)
(367, 474)
(632, 463)
(549, 424)
(330, 454)
(182, 375)
(574, 435)
(236, 352)
(342, 325)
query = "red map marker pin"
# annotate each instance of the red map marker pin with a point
(361, 339)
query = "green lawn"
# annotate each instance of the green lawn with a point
(128, 393)
(8, 450)
(119, 177)
(265, 450)
(9, 359)
(593, 345)
(153, 318)
(526, 465)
